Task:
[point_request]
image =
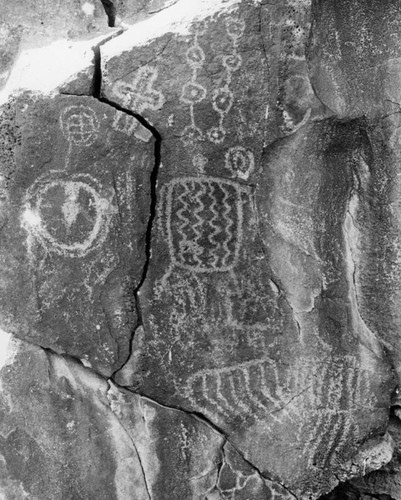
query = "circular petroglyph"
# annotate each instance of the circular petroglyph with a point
(192, 133)
(68, 216)
(235, 28)
(193, 93)
(195, 56)
(232, 62)
(222, 100)
(216, 134)
(80, 125)
(240, 161)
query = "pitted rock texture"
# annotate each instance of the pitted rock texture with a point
(42, 21)
(354, 56)
(66, 433)
(250, 308)
(215, 234)
(127, 12)
(28, 25)
(76, 184)
(382, 484)
(359, 77)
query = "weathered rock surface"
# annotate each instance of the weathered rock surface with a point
(371, 89)
(126, 12)
(75, 207)
(217, 230)
(27, 25)
(354, 56)
(250, 310)
(386, 481)
(66, 433)
(42, 21)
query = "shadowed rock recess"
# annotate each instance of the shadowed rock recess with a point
(200, 250)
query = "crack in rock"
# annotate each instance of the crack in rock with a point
(96, 89)
(111, 12)
(113, 388)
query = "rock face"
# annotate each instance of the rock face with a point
(69, 434)
(74, 223)
(200, 259)
(370, 89)
(27, 25)
(250, 308)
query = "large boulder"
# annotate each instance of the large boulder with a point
(250, 306)
(75, 179)
(213, 224)
(67, 433)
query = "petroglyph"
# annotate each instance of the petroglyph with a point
(277, 492)
(199, 162)
(245, 383)
(237, 484)
(240, 162)
(341, 390)
(204, 223)
(192, 92)
(68, 217)
(140, 94)
(223, 97)
(258, 390)
(79, 124)
(124, 123)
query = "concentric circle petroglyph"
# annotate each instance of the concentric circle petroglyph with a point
(68, 216)
(240, 162)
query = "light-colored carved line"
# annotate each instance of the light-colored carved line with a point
(334, 435)
(229, 223)
(183, 204)
(183, 220)
(351, 387)
(221, 398)
(356, 386)
(208, 179)
(236, 392)
(197, 227)
(144, 95)
(335, 392)
(237, 240)
(207, 401)
(76, 112)
(363, 391)
(321, 381)
(228, 369)
(265, 390)
(348, 436)
(254, 393)
(320, 431)
(104, 209)
(312, 440)
(249, 391)
(207, 394)
(169, 208)
(355, 402)
(215, 228)
(282, 392)
(336, 387)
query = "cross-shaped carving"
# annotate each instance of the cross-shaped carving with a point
(140, 94)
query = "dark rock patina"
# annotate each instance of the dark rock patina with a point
(234, 263)
(75, 209)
